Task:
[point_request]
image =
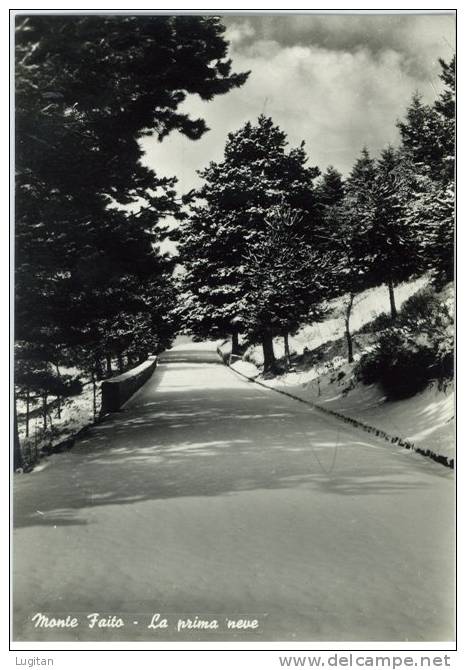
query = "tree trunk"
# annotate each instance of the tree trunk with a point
(27, 412)
(269, 354)
(98, 369)
(121, 362)
(44, 410)
(108, 360)
(17, 453)
(94, 404)
(287, 350)
(349, 340)
(235, 343)
(391, 293)
(58, 397)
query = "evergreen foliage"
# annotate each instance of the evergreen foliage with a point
(285, 279)
(265, 244)
(330, 189)
(87, 89)
(428, 147)
(90, 281)
(392, 250)
(232, 218)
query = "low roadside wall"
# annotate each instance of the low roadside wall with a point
(117, 390)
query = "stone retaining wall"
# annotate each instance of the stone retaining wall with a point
(117, 390)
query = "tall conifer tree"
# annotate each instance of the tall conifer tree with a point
(257, 174)
(88, 88)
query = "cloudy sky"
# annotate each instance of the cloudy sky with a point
(337, 81)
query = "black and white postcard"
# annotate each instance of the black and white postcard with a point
(234, 320)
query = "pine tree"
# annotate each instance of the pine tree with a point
(89, 278)
(349, 271)
(373, 241)
(257, 173)
(330, 188)
(361, 179)
(430, 213)
(392, 247)
(344, 215)
(420, 137)
(285, 282)
(445, 107)
(428, 152)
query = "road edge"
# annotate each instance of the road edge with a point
(378, 432)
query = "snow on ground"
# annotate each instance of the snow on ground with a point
(76, 413)
(212, 496)
(426, 419)
(186, 343)
(245, 368)
(367, 306)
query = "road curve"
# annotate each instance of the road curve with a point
(210, 497)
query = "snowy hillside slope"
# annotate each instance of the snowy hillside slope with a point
(426, 419)
(76, 413)
(367, 306)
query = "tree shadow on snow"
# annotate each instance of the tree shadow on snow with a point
(220, 442)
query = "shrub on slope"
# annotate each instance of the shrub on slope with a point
(416, 349)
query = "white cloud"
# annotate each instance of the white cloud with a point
(237, 33)
(416, 36)
(336, 99)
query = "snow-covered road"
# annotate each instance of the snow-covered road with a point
(209, 496)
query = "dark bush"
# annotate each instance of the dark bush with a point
(418, 306)
(415, 351)
(380, 322)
